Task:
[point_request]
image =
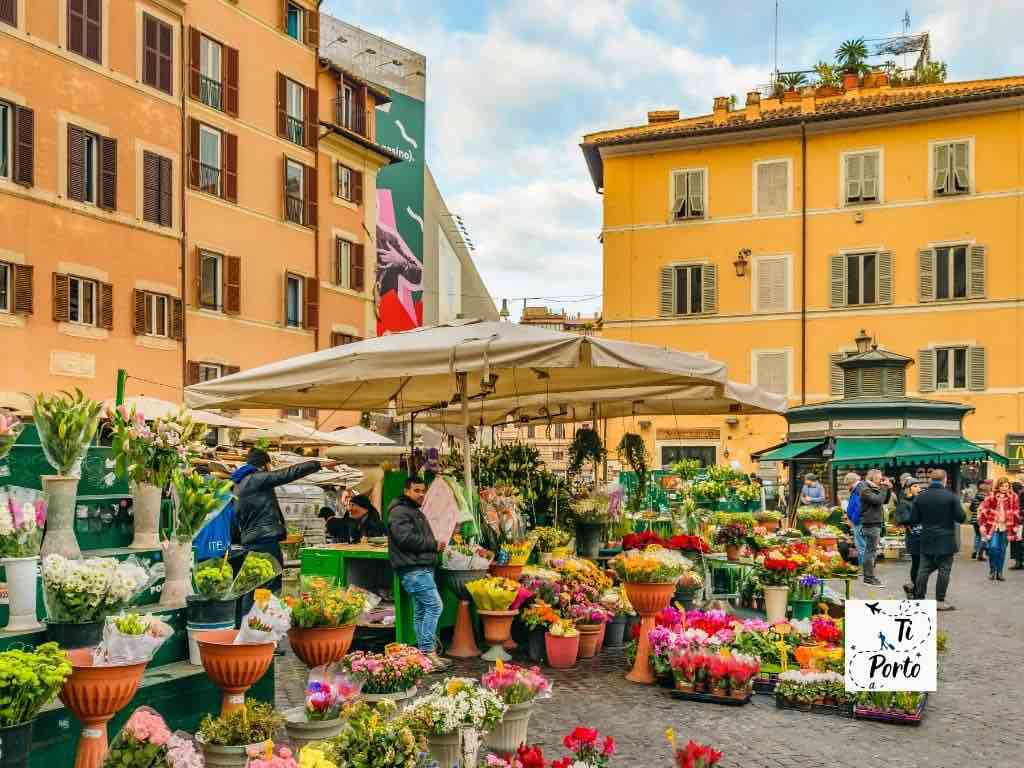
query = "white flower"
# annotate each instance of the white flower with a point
(109, 464)
(109, 478)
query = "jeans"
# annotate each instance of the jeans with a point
(980, 545)
(419, 583)
(870, 534)
(929, 564)
(858, 539)
(997, 551)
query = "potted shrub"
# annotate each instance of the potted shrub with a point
(372, 731)
(550, 542)
(776, 576)
(732, 536)
(562, 644)
(392, 677)
(850, 58)
(812, 518)
(29, 680)
(320, 718)
(66, 425)
(323, 622)
(197, 499)
(591, 514)
(768, 519)
(828, 79)
(226, 740)
(452, 715)
(792, 82)
(22, 520)
(538, 617)
(519, 688)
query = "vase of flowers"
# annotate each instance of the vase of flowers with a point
(454, 709)
(324, 622)
(22, 519)
(494, 597)
(390, 677)
(776, 575)
(562, 644)
(229, 740)
(807, 589)
(197, 500)
(66, 425)
(29, 680)
(518, 687)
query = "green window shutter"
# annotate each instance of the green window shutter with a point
(709, 278)
(926, 274)
(977, 374)
(837, 280)
(961, 166)
(835, 374)
(926, 370)
(884, 294)
(976, 272)
(667, 303)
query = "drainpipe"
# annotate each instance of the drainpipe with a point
(183, 173)
(803, 263)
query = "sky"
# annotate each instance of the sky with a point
(512, 87)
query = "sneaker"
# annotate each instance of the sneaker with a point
(908, 589)
(942, 606)
(438, 664)
(874, 582)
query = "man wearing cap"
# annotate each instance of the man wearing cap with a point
(362, 522)
(813, 494)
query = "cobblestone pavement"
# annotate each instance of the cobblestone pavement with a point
(976, 718)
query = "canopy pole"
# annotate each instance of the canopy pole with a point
(467, 458)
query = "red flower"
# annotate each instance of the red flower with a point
(581, 737)
(564, 762)
(530, 757)
(634, 631)
(608, 748)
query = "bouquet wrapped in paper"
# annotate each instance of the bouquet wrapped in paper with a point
(329, 689)
(462, 556)
(268, 620)
(10, 430)
(130, 638)
(86, 590)
(22, 519)
(215, 580)
(493, 593)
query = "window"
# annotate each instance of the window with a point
(209, 160)
(156, 315)
(350, 184)
(209, 371)
(157, 53)
(17, 142)
(210, 280)
(343, 264)
(291, 413)
(92, 168)
(294, 187)
(531, 432)
(951, 272)
(295, 95)
(157, 193)
(771, 370)
(9, 12)
(341, 339)
(688, 289)
(861, 182)
(771, 190)
(85, 28)
(346, 105)
(295, 23)
(293, 301)
(951, 368)
(688, 194)
(5, 287)
(558, 455)
(558, 431)
(859, 279)
(210, 73)
(951, 168)
(6, 139)
(83, 299)
(771, 280)
(91, 150)
(705, 454)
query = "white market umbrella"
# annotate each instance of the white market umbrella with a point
(211, 419)
(150, 407)
(359, 435)
(290, 432)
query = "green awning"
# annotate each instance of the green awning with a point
(906, 451)
(788, 450)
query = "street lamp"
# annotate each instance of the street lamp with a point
(742, 258)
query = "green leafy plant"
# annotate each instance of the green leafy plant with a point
(254, 723)
(813, 514)
(29, 680)
(687, 469)
(793, 80)
(586, 446)
(213, 578)
(828, 75)
(633, 450)
(66, 424)
(851, 56)
(375, 738)
(198, 498)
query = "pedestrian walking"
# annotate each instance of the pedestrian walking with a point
(852, 480)
(903, 516)
(980, 547)
(999, 522)
(875, 492)
(413, 551)
(1017, 547)
(938, 511)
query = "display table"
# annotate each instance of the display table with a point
(723, 577)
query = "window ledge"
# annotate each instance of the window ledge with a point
(341, 201)
(156, 342)
(80, 331)
(11, 320)
(297, 227)
(343, 291)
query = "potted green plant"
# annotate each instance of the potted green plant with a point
(66, 424)
(633, 450)
(29, 680)
(197, 499)
(591, 514)
(768, 519)
(828, 79)
(851, 59)
(732, 536)
(586, 446)
(226, 740)
(792, 81)
(368, 735)
(812, 518)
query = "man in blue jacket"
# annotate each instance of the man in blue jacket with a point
(853, 514)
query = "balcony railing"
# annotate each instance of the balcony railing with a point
(295, 130)
(209, 92)
(295, 209)
(352, 116)
(209, 179)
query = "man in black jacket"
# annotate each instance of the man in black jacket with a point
(938, 511)
(413, 550)
(874, 494)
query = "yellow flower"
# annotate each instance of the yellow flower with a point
(670, 737)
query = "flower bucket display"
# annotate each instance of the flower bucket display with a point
(178, 573)
(775, 601)
(562, 645)
(802, 609)
(22, 519)
(95, 694)
(497, 627)
(60, 526)
(21, 589)
(323, 622)
(146, 501)
(463, 645)
(302, 731)
(615, 631)
(390, 677)
(589, 537)
(228, 741)
(519, 688)
(233, 668)
(590, 634)
(453, 714)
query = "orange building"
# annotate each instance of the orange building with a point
(186, 190)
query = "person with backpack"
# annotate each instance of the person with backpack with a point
(853, 514)
(980, 545)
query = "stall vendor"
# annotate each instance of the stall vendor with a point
(362, 522)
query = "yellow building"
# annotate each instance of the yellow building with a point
(768, 236)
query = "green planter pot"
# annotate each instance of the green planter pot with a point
(802, 609)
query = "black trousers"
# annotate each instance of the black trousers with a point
(929, 564)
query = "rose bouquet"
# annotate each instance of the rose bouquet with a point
(22, 519)
(654, 565)
(326, 606)
(86, 590)
(129, 638)
(394, 672)
(29, 680)
(142, 742)
(455, 703)
(515, 684)
(493, 593)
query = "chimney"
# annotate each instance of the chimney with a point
(662, 116)
(753, 105)
(807, 100)
(721, 113)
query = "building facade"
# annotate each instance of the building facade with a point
(188, 190)
(543, 317)
(769, 236)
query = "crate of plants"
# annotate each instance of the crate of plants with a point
(822, 693)
(891, 706)
(708, 676)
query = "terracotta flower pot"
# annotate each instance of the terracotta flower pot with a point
(321, 645)
(95, 695)
(685, 686)
(647, 600)
(508, 571)
(589, 635)
(562, 651)
(497, 629)
(600, 635)
(826, 543)
(234, 668)
(769, 525)
(813, 525)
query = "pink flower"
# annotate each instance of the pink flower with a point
(146, 725)
(40, 513)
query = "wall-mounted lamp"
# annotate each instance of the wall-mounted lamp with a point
(742, 259)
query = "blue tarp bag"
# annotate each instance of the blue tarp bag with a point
(214, 538)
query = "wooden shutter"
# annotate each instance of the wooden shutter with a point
(108, 173)
(177, 330)
(961, 166)
(9, 12)
(140, 323)
(284, 15)
(106, 306)
(835, 374)
(854, 187)
(61, 298)
(976, 369)
(926, 274)
(232, 270)
(773, 371)
(695, 193)
(229, 80)
(76, 27)
(76, 163)
(772, 290)
(150, 51)
(869, 170)
(23, 289)
(93, 29)
(194, 61)
(151, 187)
(165, 64)
(679, 194)
(709, 288)
(192, 373)
(312, 28)
(357, 268)
(229, 147)
(282, 106)
(884, 265)
(309, 413)
(24, 145)
(311, 299)
(312, 117)
(229, 370)
(166, 196)
(976, 259)
(193, 153)
(197, 278)
(667, 292)
(357, 186)
(310, 196)
(940, 168)
(926, 370)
